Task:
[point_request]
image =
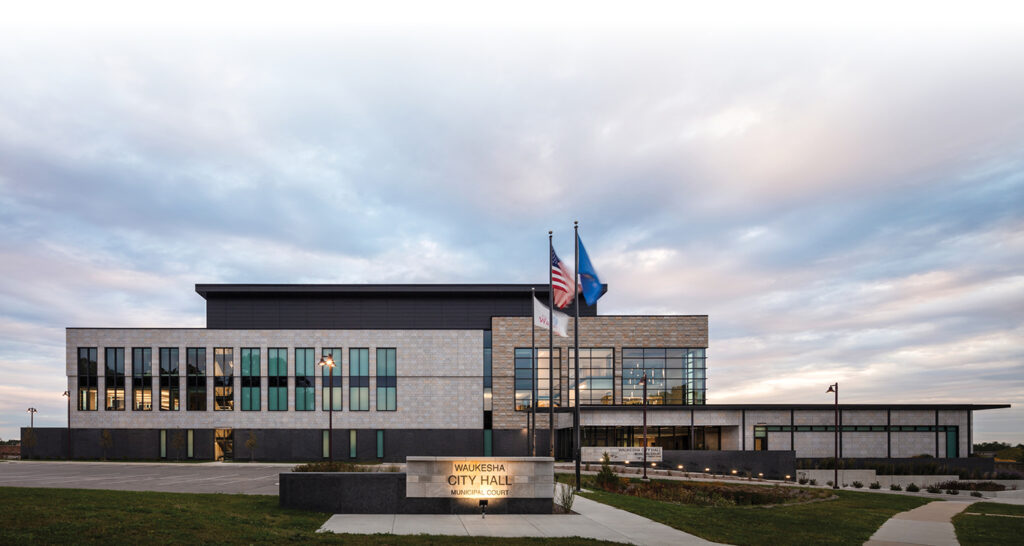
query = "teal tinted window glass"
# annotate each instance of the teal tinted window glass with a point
(487, 443)
(352, 444)
(359, 379)
(326, 442)
(386, 380)
(191, 444)
(380, 444)
(305, 372)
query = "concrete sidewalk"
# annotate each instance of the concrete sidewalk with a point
(929, 524)
(591, 520)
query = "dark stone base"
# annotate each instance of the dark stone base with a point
(384, 493)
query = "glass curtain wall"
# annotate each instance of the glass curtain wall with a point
(142, 379)
(195, 379)
(223, 379)
(170, 385)
(597, 376)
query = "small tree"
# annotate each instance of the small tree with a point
(178, 444)
(106, 442)
(606, 477)
(251, 443)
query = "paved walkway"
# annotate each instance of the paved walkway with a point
(591, 520)
(929, 524)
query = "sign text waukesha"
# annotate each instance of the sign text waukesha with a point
(471, 476)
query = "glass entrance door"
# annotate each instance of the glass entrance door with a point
(224, 444)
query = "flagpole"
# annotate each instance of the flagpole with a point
(533, 373)
(551, 352)
(576, 355)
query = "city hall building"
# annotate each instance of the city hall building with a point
(435, 370)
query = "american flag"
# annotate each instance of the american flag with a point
(561, 281)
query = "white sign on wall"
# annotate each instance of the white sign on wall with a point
(621, 454)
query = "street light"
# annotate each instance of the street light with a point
(32, 417)
(67, 394)
(835, 475)
(643, 381)
(328, 361)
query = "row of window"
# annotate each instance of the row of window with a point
(761, 430)
(224, 443)
(673, 376)
(223, 379)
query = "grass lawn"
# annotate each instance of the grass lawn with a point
(972, 530)
(850, 519)
(74, 516)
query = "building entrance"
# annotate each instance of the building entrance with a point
(224, 444)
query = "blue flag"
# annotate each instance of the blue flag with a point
(591, 285)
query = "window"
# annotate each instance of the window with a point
(191, 445)
(277, 379)
(223, 379)
(250, 379)
(674, 376)
(524, 379)
(88, 379)
(305, 372)
(114, 378)
(331, 389)
(597, 376)
(170, 385)
(359, 379)
(325, 443)
(142, 379)
(386, 381)
(380, 444)
(352, 444)
(195, 378)
(163, 444)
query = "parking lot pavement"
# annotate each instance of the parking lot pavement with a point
(242, 478)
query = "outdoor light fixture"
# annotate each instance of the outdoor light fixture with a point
(68, 395)
(734, 472)
(834, 388)
(680, 467)
(627, 462)
(32, 417)
(707, 470)
(328, 362)
(787, 476)
(760, 474)
(654, 464)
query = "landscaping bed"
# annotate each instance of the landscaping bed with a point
(704, 493)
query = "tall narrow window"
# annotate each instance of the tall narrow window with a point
(305, 374)
(277, 379)
(250, 379)
(163, 444)
(523, 379)
(352, 444)
(170, 384)
(325, 444)
(380, 444)
(330, 391)
(597, 376)
(386, 380)
(191, 444)
(223, 379)
(88, 379)
(544, 396)
(142, 379)
(359, 379)
(114, 378)
(195, 378)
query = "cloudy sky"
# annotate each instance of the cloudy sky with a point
(842, 193)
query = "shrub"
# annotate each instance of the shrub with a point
(913, 488)
(566, 495)
(933, 489)
(857, 484)
(336, 466)
(814, 482)
(830, 483)
(975, 493)
(875, 485)
(895, 487)
(972, 486)
(803, 481)
(952, 492)
(606, 478)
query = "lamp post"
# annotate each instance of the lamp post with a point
(328, 362)
(834, 388)
(32, 417)
(643, 381)
(67, 394)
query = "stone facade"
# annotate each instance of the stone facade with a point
(439, 378)
(617, 332)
